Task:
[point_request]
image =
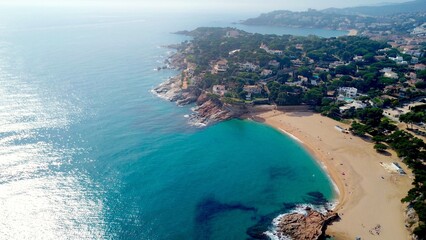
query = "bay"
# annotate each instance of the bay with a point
(87, 152)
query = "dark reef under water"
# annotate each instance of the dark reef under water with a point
(208, 208)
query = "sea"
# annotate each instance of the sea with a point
(88, 152)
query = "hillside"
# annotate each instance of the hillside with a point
(406, 18)
(412, 6)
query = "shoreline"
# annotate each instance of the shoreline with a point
(367, 195)
(334, 180)
(338, 187)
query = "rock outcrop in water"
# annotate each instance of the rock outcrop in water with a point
(209, 109)
(172, 91)
(305, 227)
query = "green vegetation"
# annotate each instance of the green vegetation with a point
(380, 147)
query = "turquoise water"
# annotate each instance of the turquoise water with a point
(87, 152)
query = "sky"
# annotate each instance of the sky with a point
(214, 5)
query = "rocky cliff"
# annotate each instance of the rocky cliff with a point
(209, 108)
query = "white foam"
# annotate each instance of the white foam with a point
(291, 135)
(299, 209)
(196, 123)
(336, 188)
(200, 125)
(272, 233)
(158, 94)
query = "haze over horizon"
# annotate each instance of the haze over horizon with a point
(187, 5)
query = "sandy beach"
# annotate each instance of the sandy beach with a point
(369, 194)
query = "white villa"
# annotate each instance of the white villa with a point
(358, 58)
(385, 70)
(389, 73)
(254, 89)
(219, 89)
(248, 66)
(392, 75)
(336, 64)
(220, 66)
(398, 59)
(349, 92)
(265, 72)
(354, 104)
(234, 51)
(270, 51)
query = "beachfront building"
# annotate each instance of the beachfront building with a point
(234, 51)
(358, 59)
(302, 78)
(336, 64)
(270, 51)
(379, 57)
(419, 67)
(392, 75)
(320, 70)
(354, 104)
(219, 89)
(348, 92)
(297, 63)
(389, 73)
(399, 60)
(385, 70)
(253, 89)
(220, 66)
(415, 53)
(266, 73)
(396, 59)
(248, 67)
(293, 84)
